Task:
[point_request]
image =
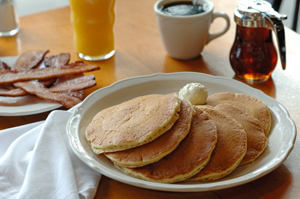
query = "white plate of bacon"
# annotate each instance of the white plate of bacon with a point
(34, 82)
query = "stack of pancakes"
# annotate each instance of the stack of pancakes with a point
(164, 139)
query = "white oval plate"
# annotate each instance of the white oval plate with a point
(281, 138)
(23, 105)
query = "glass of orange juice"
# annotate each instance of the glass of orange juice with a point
(93, 22)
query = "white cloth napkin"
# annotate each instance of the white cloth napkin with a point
(39, 163)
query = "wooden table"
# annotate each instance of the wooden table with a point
(139, 51)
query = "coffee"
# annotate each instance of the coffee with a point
(182, 8)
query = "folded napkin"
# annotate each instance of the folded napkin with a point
(39, 163)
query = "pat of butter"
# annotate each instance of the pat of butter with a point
(196, 93)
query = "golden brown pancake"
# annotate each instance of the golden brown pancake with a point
(187, 159)
(256, 138)
(246, 103)
(160, 147)
(132, 123)
(230, 149)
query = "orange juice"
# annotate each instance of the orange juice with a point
(93, 22)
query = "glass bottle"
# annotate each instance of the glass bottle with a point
(253, 56)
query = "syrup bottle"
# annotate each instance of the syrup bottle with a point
(253, 56)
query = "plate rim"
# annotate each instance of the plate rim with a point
(179, 187)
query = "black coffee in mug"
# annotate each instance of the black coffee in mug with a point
(182, 8)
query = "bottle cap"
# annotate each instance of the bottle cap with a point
(253, 14)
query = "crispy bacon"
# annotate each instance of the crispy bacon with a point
(45, 73)
(76, 63)
(78, 94)
(29, 60)
(16, 92)
(24, 77)
(76, 84)
(57, 60)
(10, 91)
(48, 82)
(4, 66)
(67, 78)
(7, 71)
(38, 89)
(7, 86)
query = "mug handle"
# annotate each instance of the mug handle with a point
(218, 34)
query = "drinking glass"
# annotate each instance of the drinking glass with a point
(93, 22)
(9, 21)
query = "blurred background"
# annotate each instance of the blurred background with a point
(26, 7)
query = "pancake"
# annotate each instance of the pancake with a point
(187, 159)
(246, 103)
(132, 123)
(160, 147)
(230, 149)
(256, 139)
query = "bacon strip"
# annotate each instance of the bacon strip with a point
(57, 60)
(45, 73)
(16, 92)
(47, 82)
(4, 66)
(78, 94)
(38, 89)
(7, 86)
(10, 91)
(29, 60)
(76, 84)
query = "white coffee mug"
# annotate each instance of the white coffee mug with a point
(184, 37)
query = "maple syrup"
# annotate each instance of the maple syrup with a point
(253, 56)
